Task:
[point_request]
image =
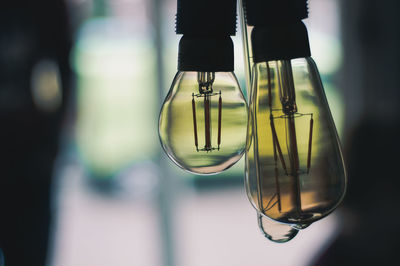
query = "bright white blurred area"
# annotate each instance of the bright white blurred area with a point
(214, 227)
(96, 229)
(117, 199)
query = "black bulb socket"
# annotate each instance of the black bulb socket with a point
(283, 42)
(206, 17)
(205, 54)
(267, 12)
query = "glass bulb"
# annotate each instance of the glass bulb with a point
(203, 121)
(275, 231)
(294, 167)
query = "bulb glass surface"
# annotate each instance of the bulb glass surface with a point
(294, 167)
(275, 231)
(203, 121)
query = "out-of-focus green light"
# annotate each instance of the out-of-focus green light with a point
(116, 99)
(327, 52)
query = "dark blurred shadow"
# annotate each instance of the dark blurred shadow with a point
(34, 83)
(370, 221)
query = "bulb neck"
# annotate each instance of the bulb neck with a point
(206, 26)
(205, 54)
(279, 33)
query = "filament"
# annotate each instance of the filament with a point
(310, 145)
(294, 155)
(289, 108)
(196, 143)
(274, 141)
(206, 80)
(268, 207)
(278, 147)
(207, 118)
(219, 118)
(294, 162)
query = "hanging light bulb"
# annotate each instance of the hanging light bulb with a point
(294, 166)
(275, 231)
(203, 121)
(295, 170)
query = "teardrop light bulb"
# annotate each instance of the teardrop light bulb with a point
(203, 121)
(275, 231)
(294, 167)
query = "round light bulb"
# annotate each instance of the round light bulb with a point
(203, 121)
(294, 166)
(275, 231)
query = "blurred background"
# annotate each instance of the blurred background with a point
(84, 180)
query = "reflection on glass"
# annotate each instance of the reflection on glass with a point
(294, 167)
(275, 231)
(203, 121)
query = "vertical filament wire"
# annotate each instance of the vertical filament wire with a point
(219, 118)
(310, 144)
(205, 81)
(196, 143)
(275, 142)
(207, 121)
(289, 108)
(294, 162)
